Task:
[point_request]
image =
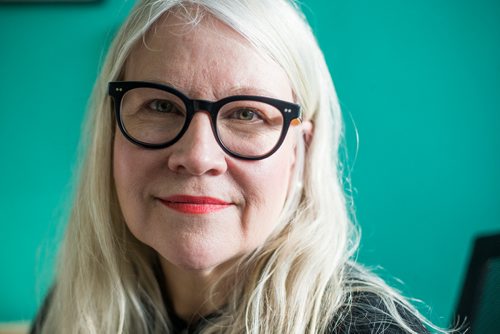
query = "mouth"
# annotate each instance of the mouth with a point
(194, 204)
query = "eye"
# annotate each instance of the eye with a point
(163, 106)
(245, 114)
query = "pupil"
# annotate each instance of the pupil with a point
(246, 114)
(165, 106)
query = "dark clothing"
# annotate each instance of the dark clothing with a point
(369, 315)
(36, 325)
(366, 316)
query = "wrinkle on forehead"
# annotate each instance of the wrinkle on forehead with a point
(194, 25)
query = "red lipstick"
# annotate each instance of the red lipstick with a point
(194, 204)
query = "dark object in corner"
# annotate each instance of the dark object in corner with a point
(479, 302)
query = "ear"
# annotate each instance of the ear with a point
(307, 132)
(306, 128)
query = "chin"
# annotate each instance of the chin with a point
(200, 259)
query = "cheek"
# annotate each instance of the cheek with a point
(129, 171)
(265, 185)
(124, 165)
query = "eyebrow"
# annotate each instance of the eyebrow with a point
(238, 90)
(248, 90)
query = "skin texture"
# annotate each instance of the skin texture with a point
(209, 61)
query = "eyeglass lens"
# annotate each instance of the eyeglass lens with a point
(245, 127)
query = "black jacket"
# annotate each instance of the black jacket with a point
(367, 315)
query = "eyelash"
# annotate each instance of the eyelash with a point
(239, 111)
(153, 106)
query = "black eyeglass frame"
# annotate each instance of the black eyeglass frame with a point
(289, 110)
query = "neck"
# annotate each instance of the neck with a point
(191, 292)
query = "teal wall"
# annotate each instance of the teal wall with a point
(419, 80)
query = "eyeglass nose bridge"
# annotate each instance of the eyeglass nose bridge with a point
(204, 105)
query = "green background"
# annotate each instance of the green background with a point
(419, 80)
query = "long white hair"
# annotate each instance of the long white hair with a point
(299, 281)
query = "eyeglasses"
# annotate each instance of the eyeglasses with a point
(156, 116)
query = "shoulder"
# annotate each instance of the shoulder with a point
(36, 325)
(367, 312)
(371, 306)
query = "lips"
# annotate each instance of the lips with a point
(194, 204)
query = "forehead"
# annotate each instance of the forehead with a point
(207, 59)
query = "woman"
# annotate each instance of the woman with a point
(210, 197)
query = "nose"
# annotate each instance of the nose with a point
(197, 152)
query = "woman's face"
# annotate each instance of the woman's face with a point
(162, 192)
